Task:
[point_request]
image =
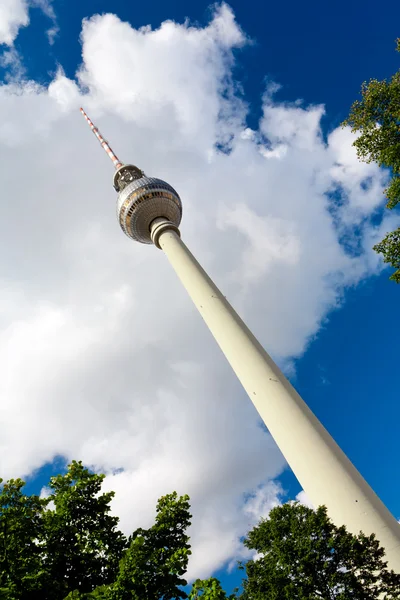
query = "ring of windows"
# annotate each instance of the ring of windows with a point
(128, 207)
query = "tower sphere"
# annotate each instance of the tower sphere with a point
(143, 199)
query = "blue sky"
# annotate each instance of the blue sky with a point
(349, 372)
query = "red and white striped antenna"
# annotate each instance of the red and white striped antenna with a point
(103, 142)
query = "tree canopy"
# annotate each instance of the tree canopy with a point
(21, 542)
(302, 555)
(156, 560)
(209, 589)
(46, 552)
(376, 117)
(74, 550)
(68, 547)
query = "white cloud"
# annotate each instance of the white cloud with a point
(304, 499)
(270, 240)
(11, 62)
(45, 492)
(351, 175)
(13, 15)
(103, 356)
(64, 91)
(46, 6)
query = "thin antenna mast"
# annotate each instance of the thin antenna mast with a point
(103, 142)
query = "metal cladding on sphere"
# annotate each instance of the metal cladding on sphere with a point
(144, 200)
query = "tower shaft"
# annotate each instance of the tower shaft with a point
(321, 467)
(150, 210)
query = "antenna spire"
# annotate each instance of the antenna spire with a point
(103, 142)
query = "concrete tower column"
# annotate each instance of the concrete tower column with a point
(323, 470)
(150, 211)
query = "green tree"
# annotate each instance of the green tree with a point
(100, 593)
(21, 542)
(304, 556)
(83, 545)
(156, 560)
(208, 589)
(47, 554)
(74, 550)
(376, 117)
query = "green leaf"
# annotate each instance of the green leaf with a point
(376, 118)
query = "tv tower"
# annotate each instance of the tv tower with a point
(150, 211)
